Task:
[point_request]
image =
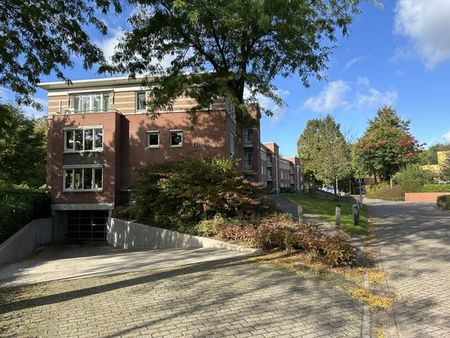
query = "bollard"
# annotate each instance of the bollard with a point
(338, 215)
(355, 211)
(301, 218)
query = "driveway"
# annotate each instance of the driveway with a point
(414, 241)
(168, 293)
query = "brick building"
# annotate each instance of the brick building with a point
(100, 135)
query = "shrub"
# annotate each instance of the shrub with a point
(436, 188)
(384, 192)
(412, 178)
(443, 202)
(18, 206)
(278, 231)
(178, 195)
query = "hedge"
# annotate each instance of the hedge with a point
(443, 202)
(18, 206)
(436, 188)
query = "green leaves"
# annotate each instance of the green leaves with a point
(387, 146)
(40, 37)
(245, 43)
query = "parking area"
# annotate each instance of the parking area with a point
(168, 293)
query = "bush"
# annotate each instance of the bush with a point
(384, 192)
(443, 202)
(436, 188)
(178, 195)
(278, 231)
(18, 206)
(412, 178)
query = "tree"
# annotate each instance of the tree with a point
(386, 146)
(324, 152)
(40, 37)
(227, 46)
(22, 148)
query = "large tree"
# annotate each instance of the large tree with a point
(22, 147)
(228, 46)
(38, 37)
(386, 146)
(324, 152)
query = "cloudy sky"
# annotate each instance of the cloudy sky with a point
(398, 56)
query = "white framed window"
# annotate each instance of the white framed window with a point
(90, 103)
(153, 139)
(176, 138)
(141, 101)
(79, 178)
(83, 139)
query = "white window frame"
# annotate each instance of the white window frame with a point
(83, 168)
(83, 128)
(170, 138)
(76, 110)
(137, 101)
(153, 132)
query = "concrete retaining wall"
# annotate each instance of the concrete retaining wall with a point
(423, 196)
(22, 244)
(129, 235)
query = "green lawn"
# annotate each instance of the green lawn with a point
(325, 210)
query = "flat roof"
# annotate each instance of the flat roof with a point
(101, 82)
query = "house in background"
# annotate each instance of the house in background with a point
(100, 135)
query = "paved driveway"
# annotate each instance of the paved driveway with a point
(414, 239)
(217, 294)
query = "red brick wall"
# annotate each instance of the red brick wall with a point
(110, 123)
(423, 196)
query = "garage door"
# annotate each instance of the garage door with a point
(87, 225)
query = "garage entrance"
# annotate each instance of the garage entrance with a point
(87, 225)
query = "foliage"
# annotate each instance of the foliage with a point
(383, 191)
(444, 173)
(178, 195)
(278, 231)
(227, 47)
(325, 209)
(41, 37)
(429, 156)
(412, 178)
(324, 152)
(386, 146)
(436, 188)
(443, 202)
(18, 206)
(22, 147)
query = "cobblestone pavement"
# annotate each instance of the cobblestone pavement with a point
(227, 297)
(414, 242)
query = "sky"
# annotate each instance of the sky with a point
(398, 55)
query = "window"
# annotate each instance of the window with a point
(83, 139)
(83, 179)
(88, 103)
(176, 138)
(141, 103)
(153, 139)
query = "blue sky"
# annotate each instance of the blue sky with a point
(399, 55)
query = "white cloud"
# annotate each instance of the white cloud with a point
(373, 97)
(108, 44)
(425, 23)
(269, 104)
(350, 63)
(446, 137)
(332, 97)
(345, 95)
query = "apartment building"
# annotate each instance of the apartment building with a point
(100, 135)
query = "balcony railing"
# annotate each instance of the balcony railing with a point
(248, 165)
(86, 111)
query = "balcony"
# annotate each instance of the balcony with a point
(247, 165)
(247, 139)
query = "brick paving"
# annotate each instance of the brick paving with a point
(230, 297)
(414, 242)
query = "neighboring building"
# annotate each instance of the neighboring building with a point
(100, 135)
(442, 157)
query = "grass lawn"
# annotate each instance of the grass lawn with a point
(325, 210)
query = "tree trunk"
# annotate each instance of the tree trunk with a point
(375, 178)
(336, 186)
